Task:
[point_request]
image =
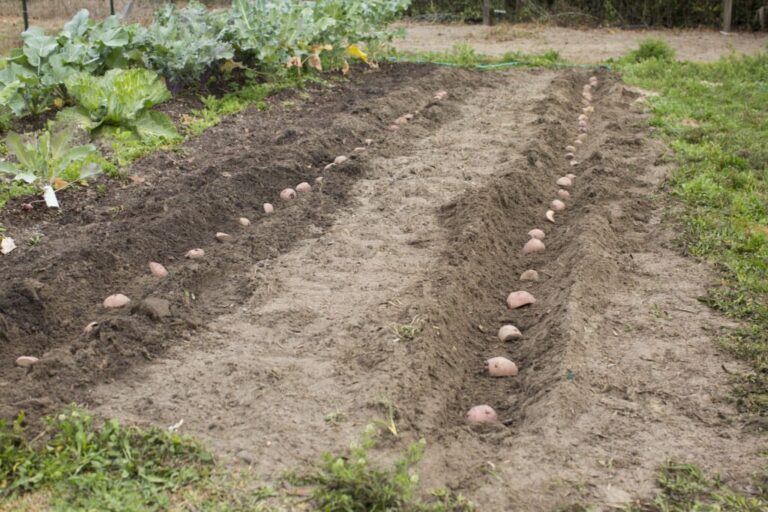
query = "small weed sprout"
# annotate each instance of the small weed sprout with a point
(335, 417)
(409, 331)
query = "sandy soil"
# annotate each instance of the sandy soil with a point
(283, 342)
(576, 45)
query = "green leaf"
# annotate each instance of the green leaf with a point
(28, 177)
(59, 142)
(38, 47)
(20, 150)
(75, 154)
(78, 117)
(89, 171)
(152, 124)
(88, 90)
(77, 26)
(57, 71)
(8, 168)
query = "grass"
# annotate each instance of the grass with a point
(80, 464)
(685, 487)
(715, 118)
(464, 55)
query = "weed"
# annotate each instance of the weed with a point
(658, 312)
(409, 331)
(655, 49)
(35, 240)
(464, 55)
(351, 482)
(109, 467)
(335, 417)
(685, 487)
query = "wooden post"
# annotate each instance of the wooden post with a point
(727, 15)
(25, 14)
(487, 12)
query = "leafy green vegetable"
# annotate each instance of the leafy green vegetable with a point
(185, 43)
(45, 159)
(121, 98)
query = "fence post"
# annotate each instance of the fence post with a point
(486, 12)
(727, 15)
(111, 7)
(25, 14)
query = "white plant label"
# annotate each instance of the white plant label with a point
(50, 197)
(6, 245)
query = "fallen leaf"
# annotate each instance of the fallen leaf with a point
(59, 183)
(315, 62)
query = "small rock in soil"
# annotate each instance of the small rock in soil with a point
(156, 308)
(26, 361)
(246, 456)
(529, 275)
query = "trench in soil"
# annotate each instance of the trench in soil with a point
(297, 317)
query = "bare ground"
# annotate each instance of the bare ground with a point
(619, 367)
(576, 45)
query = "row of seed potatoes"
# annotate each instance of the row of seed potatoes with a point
(159, 271)
(501, 366)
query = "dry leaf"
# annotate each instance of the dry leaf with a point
(314, 61)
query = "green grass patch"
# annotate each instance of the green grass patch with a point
(464, 55)
(352, 482)
(715, 118)
(685, 487)
(80, 465)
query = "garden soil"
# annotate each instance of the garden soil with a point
(378, 295)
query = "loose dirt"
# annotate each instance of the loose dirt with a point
(576, 45)
(379, 294)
